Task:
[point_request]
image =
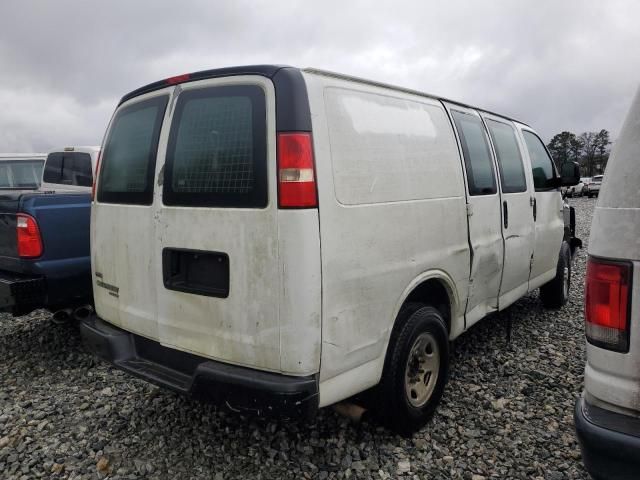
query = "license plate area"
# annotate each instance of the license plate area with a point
(199, 272)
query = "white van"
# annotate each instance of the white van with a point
(70, 169)
(607, 415)
(281, 239)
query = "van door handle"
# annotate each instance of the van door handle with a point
(505, 214)
(534, 204)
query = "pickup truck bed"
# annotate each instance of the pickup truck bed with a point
(61, 276)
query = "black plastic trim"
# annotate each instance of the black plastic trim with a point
(216, 265)
(20, 294)
(292, 103)
(609, 449)
(239, 388)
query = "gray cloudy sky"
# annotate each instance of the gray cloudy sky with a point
(558, 65)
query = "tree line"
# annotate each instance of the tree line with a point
(589, 149)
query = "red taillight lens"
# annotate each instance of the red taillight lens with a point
(296, 173)
(29, 240)
(95, 178)
(606, 305)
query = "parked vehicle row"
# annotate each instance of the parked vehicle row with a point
(281, 239)
(593, 186)
(588, 186)
(44, 237)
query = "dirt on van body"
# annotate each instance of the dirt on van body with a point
(507, 412)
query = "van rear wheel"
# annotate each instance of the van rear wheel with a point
(415, 371)
(555, 293)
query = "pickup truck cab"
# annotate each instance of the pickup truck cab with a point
(280, 239)
(70, 169)
(21, 171)
(607, 414)
(44, 237)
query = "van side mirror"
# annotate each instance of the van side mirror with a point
(569, 174)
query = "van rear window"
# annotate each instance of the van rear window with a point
(216, 155)
(129, 157)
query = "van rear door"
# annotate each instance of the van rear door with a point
(123, 216)
(189, 246)
(216, 234)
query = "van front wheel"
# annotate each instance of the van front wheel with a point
(415, 370)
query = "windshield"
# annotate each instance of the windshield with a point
(21, 174)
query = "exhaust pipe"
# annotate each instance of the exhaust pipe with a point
(61, 316)
(82, 312)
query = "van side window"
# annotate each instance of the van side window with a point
(68, 168)
(217, 153)
(509, 157)
(477, 156)
(541, 163)
(129, 158)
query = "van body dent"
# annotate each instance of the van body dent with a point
(281, 239)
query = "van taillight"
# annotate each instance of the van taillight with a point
(296, 173)
(29, 240)
(607, 303)
(95, 178)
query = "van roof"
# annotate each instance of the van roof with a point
(374, 83)
(270, 71)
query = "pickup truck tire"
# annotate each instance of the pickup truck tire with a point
(415, 370)
(555, 293)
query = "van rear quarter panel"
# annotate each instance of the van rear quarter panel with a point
(392, 210)
(610, 377)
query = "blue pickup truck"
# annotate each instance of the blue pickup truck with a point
(44, 238)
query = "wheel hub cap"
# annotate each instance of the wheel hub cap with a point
(421, 372)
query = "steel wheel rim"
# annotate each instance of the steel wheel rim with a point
(565, 283)
(422, 370)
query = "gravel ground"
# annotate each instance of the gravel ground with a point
(506, 413)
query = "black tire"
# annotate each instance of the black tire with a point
(416, 322)
(555, 293)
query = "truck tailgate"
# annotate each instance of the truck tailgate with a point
(63, 221)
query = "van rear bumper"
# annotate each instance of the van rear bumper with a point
(238, 388)
(610, 442)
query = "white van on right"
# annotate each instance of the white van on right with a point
(607, 415)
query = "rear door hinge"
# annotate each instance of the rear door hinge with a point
(469, 209)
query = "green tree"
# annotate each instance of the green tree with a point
(560, 147)
(589, 151)
(575, 149)
(602, 149)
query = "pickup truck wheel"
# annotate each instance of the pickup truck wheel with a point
(555, 293)
(415, 371)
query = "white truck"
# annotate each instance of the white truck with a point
(21, 171)
(281, 239)
(607, 415)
